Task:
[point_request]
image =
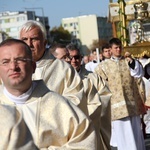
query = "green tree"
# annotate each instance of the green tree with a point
(97, 44)
(60, 35)
(4, 35)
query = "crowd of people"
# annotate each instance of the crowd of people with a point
(56, 98)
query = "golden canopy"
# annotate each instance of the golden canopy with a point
(124, 11)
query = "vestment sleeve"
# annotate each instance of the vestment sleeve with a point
(138, 71)
(147, 70)
(14, 134)
(66, 128)
(73, 89)
(105, 115)
(100, 71)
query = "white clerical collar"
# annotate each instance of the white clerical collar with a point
(19, 100)
(116, 58)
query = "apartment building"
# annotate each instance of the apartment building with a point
(88, 28)
(10, 22)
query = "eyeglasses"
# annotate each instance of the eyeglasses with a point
(65, 57)
(75, 57)
(19, 60)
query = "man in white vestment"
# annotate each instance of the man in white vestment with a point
(99, 115)
(145, 61)
(123, 76)
(58, 75)
(147, 69)
(54, 123)
(90, 66)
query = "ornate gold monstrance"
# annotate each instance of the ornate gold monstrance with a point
(124, 13)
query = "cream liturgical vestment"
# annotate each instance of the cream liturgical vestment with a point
(55, 124)
(130, 95)
(83, 72)
(98, 108)
(61, 78)
(14, 134)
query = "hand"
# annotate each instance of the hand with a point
(128, 57)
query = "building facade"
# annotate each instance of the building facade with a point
(87, 29)
(10, 22)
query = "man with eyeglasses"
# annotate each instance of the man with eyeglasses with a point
(102, 120)
(75, 57)
(92, 97)
(54, 122)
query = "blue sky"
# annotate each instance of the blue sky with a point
(58, 9)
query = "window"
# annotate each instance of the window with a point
(65, 25)
(2, 21)
(7, 20)
(12, 19)
(14, 29)
(20, 18)
(7, 29)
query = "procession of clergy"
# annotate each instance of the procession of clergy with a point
(56, 103)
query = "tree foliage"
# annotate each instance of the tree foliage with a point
(97, 44)
(4, 35)
(60, 35)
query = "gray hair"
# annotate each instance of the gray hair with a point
(32, 23)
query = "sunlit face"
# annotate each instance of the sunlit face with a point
(34, 38)
(94, 56)
(86, 59)
(116, 50)
(106, 53)
(75, 59)
(100, 56)
(15, 74)
(63, 54)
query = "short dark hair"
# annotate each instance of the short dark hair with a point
(72, 47)
(9, 42)
(93, 50)
(115, 41)
(54, 46)
(107, 46)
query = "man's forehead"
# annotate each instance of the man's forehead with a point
(115, 45)
(106, 49)
(34, 31)
(13, 50)
(73, 52)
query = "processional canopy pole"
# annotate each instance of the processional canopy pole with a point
(122, 16)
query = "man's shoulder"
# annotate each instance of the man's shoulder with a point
(41, 90)
(54, 101)
(62, 63)
(53, 63)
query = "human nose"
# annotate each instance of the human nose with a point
(13, 64)
(73, 59)
(29, 42)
